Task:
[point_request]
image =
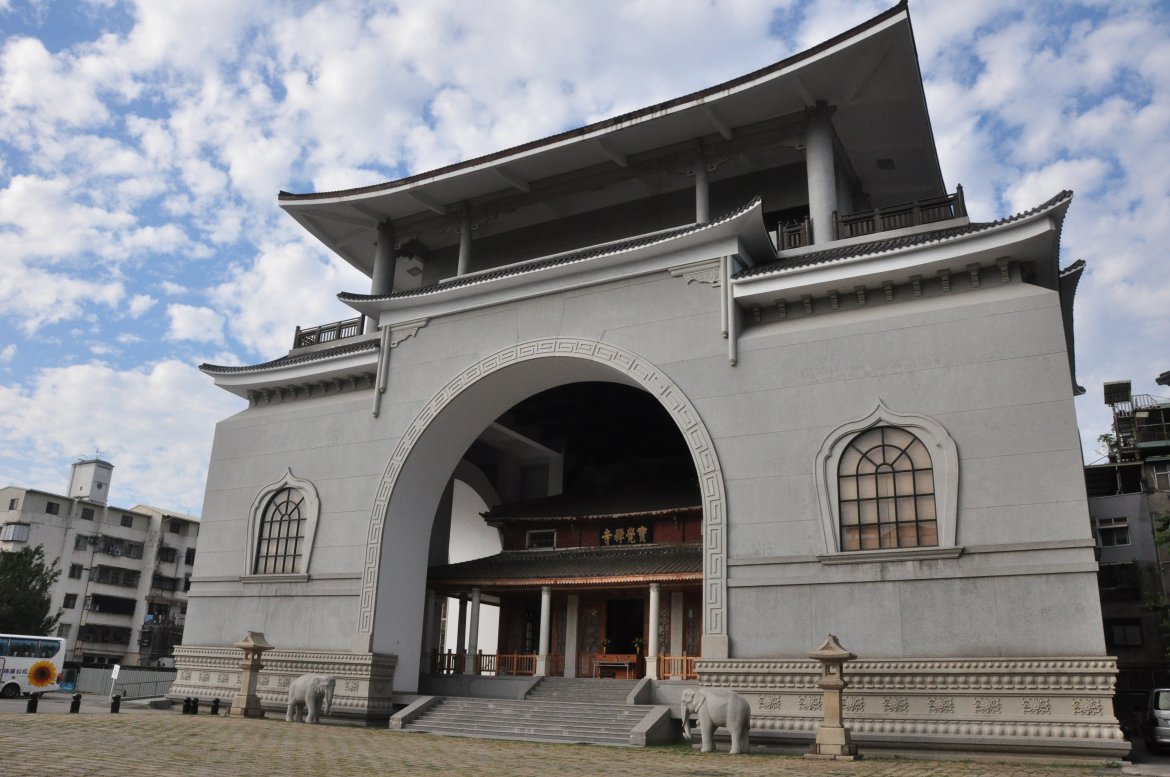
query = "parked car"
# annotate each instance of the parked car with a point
(1156, 727)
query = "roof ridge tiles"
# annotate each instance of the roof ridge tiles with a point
(555, 260)
(288, 361)
(885, 245)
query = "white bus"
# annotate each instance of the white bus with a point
(30, 665)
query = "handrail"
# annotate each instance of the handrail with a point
(516, 663)
(910, 214)
(327, 333)
(447, 663)
(677, 667)
(505, 663)
(793, 234)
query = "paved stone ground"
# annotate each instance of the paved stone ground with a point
(170, 743)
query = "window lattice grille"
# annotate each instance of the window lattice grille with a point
(282, 534)
(885, 484)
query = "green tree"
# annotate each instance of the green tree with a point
(26, 584)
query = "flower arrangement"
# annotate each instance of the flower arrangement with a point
(637, 644)
(605, 643)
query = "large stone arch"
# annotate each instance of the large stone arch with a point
(437, 436)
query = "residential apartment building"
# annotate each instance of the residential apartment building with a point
(1129, 503)
(124, 571)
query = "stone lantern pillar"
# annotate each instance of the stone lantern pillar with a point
(246, 703)
(833, 740)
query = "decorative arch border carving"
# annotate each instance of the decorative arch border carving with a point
(647, 376)
(311, 508)
(944, 455)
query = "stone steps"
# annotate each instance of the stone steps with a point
(556, 710)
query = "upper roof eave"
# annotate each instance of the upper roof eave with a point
(708, 96)
(870, 74)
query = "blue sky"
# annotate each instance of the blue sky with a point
(142, 146)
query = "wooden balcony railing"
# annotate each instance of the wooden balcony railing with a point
(514, 663)
(677, 667)
(327, 333)
(912, 214)
(798, 234)
(447, 663)
(794, 234)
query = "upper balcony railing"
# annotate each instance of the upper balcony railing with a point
(328, 333)
(799, 234)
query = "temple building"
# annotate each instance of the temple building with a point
(723, 375)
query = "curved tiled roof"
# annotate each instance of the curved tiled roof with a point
(288, 361)
(577, 565)
(882, 246)
(533, 265)
(615, 121)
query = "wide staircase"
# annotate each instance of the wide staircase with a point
(557, 709)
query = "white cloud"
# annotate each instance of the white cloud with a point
(189, 322)
(266, 301)
(139, 304)
(46, 222)
(7, 353)
(44, 89)
(154, 423)
(34, 297)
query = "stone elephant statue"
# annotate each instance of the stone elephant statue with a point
(311, 694)
(716, 707)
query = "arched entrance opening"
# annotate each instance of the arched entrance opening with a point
(393, 616)
(598, 509)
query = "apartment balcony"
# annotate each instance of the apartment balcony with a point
(1142, 424)
(799, 234)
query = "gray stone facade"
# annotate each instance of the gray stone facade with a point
(766, 361)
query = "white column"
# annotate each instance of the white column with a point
(702, 191)
(545, 629)
(676, 623)
(464, 265)
(382, 280)
(473, 634)
(571, 615)
(652, 632)
(822, 176)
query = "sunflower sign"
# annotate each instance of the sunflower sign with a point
(42, 674)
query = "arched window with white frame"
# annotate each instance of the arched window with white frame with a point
(887, 484)
(282, 525)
